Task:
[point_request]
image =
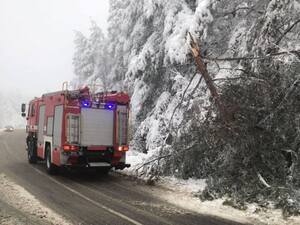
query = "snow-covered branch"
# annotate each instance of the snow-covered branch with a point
(271, 55)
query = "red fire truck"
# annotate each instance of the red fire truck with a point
(78, 129)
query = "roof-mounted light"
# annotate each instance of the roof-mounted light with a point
(85, 103)
(110, 106)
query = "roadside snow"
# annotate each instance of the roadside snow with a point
(182, 193)
(7, 219)
(17, 197)
(190, 186)
(135, 159)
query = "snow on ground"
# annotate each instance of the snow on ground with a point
(8, 219)
(135, 159)
(182, 193)
(19, 199)
(191, 185)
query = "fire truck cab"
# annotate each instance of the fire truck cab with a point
(78, 129)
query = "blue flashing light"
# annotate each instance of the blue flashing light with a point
(110, 106)
(85, 104)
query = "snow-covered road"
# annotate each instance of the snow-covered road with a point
(18, 206)
(85, 198)
(29, 194)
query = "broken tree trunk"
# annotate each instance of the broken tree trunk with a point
(208, 80)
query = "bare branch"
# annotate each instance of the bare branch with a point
(263, 181)
(233, 12)
(166, 156)
(287, 31)
(181, 101)
(280, 105)
(271, 55)
(227, 78)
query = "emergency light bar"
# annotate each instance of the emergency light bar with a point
(88, 104)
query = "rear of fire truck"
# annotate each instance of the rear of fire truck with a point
(97, 136)
(80, 129)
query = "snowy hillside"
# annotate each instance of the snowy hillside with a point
(251, 51)
(10, 109)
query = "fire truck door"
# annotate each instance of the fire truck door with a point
(41, 125)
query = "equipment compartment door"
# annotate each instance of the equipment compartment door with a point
(57, 128)
(97, 127)
(41, 125)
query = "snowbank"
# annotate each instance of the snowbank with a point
(183, 193)
(17, 197)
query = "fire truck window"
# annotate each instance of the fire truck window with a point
(32, 111)
(50, 126)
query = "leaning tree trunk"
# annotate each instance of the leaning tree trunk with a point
(208, 80)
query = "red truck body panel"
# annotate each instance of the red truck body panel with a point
(67, 121)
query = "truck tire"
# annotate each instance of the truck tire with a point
(51, 168)
(31, 151)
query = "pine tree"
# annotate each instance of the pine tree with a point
(147, 53)
(98, 43)
(83, 60)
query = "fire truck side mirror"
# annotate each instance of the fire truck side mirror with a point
(23, 109)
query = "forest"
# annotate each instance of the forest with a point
(215, 92)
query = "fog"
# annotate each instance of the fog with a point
(36, 41)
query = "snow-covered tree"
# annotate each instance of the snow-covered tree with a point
(83, 60)
(91, 61)
(101, 59)
(251, 50)
(10, 105)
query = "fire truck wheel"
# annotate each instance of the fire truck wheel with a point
(31, 152)
(51, 168)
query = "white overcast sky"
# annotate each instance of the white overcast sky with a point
(36, 41)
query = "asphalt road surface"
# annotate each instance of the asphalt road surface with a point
(90, 199)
